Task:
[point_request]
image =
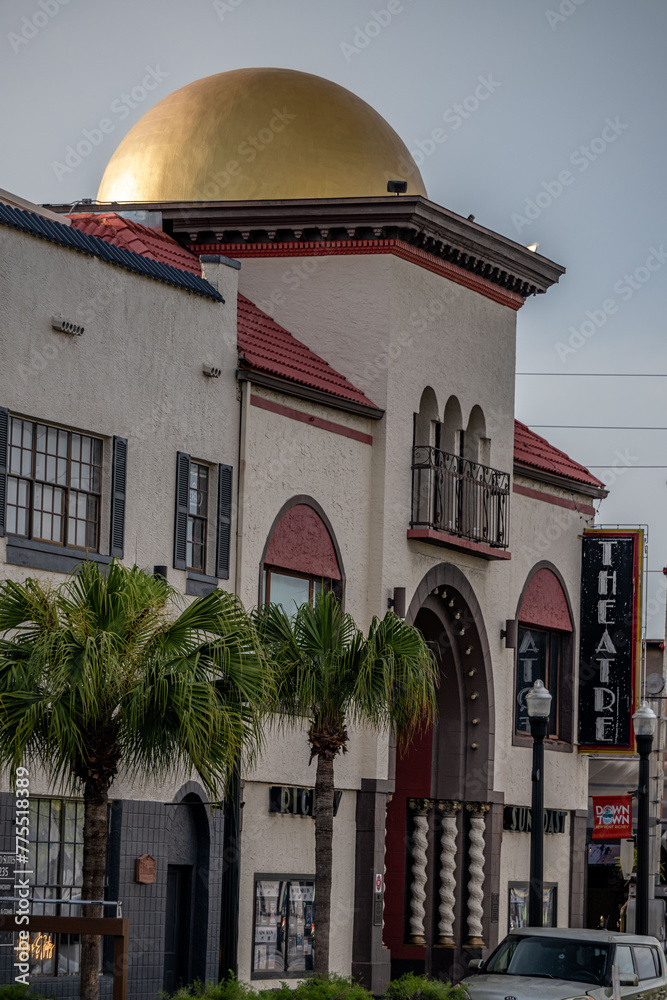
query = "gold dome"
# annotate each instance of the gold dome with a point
(254, 134)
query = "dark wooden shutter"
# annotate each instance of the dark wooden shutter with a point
(181, 517)
(4, 459)
(225, 475)
(118, 492)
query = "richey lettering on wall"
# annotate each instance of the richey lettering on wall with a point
(609, 638)
(296, 801)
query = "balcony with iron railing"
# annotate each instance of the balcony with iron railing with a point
(459, 503)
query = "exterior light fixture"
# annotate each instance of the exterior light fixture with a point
(510, 633)
(397, 187)
(644, 721)
(538, 702)
(397, 602)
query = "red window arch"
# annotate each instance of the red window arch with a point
(300, 559)
(545, 651)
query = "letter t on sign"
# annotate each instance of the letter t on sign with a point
(607, 551)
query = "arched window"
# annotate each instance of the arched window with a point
(477, 445)
(300, 560)
(545, 651)
(452, 427)
(427, 428)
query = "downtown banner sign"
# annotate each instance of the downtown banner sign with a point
(612, 816)
(609, 638)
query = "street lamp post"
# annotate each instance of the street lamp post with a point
(538, 702)
(644, 721)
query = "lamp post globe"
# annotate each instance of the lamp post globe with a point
(644, 721)
(538, 703)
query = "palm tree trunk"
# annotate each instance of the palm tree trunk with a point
(95, 798)
(324, 803)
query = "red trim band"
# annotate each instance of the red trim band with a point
(329, 248)
(526, 491)
(306, 418)
(455, 542)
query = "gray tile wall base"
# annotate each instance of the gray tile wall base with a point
(145, 828)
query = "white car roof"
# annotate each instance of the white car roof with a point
(584, 934)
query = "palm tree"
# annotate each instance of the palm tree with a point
(101, 674)
(329, 671)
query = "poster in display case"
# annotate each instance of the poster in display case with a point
(283, 932)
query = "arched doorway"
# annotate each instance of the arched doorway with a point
(187, 892)
(441, 870)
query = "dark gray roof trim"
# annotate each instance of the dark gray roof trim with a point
(560, 480)
(300, 391)
(74, 239)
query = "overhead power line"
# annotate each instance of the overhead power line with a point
(597, 374)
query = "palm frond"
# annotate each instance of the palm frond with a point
(327, 670)
(107, 671)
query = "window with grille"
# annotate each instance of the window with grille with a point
(56, 860)
(53, 485)
(197, 517)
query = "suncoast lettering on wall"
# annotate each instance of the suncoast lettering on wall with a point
(121, 108)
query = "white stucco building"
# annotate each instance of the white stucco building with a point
(358, 431)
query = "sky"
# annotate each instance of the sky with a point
(567, 149)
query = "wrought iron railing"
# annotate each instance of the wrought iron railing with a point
(460, 497)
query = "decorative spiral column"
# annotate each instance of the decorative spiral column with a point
(477, 811)
(388, 799)
(449, 811)
(420, 809)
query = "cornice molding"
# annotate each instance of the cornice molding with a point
(398, 248)
(414, 220)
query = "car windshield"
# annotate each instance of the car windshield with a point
(551, 958)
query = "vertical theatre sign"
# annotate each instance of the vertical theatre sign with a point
(610, 638)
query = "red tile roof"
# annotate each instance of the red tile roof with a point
(268, 347)
(131, 235)
(263, 344)
(534, 451)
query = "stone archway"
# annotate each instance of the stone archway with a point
(441, 821)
